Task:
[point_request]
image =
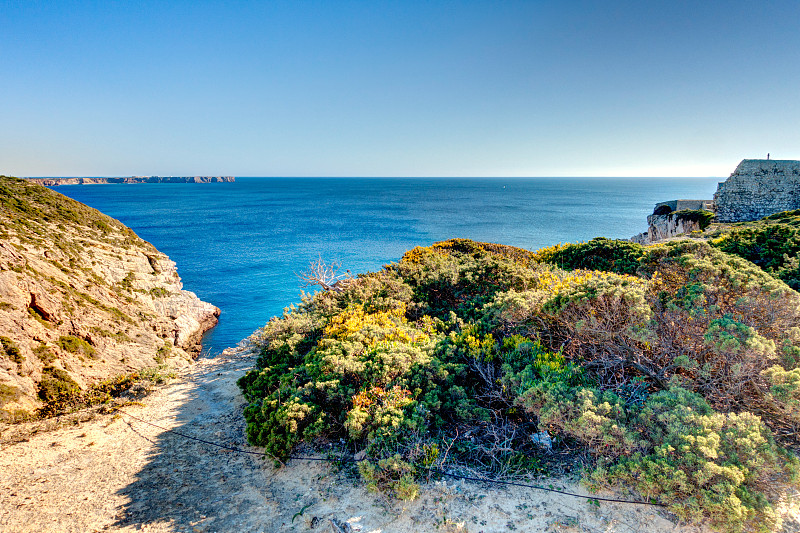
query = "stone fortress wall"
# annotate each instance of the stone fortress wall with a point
(664, 208)
(758, 188)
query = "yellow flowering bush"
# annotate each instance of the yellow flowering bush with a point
(672, 368)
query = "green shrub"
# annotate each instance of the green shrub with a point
(163, 352)
(728, 336)
(126, 283)
(456, 276)
(563, 406)
(159, 292)
(659, 371)
(9, 393)
(45, 354)
(119, 336)
(76, 345)
(374, 410)
(102, 225)
(356, 376)
(155, 375)
(705, 465)
(392, 475)
(57, 385)
(674, 449)
(701, 216)
(772, 243)
(608, 255)
(784, 391)
(62, 395)
(10, 349)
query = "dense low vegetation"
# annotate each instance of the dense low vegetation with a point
(76, 291)
(669, 370)
(33, 213)
(62, 395)
(773, 243)
(701, 216)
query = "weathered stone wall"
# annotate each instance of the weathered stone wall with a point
(680, 205)
(757, 188)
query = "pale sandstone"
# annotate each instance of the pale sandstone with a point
(104, 285)
(53, 182)
(664, 227)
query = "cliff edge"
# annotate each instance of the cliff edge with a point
(82, 299)
(663, 225)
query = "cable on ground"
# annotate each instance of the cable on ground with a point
(432, 470)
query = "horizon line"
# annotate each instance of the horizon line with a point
(359, 177)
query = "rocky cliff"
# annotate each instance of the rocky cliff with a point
(52, 182)
(758, 188)
(662, 227)
(82, 299)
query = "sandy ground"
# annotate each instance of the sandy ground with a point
(116, 473)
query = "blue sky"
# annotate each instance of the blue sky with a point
(372, 88)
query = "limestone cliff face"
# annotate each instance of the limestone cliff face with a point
(663, 227)
(81, 294)
(758, 188)
(52, 182)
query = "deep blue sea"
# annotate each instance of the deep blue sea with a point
(238, 245)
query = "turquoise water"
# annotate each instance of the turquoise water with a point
(238, 245)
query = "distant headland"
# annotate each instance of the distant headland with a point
(53, 182)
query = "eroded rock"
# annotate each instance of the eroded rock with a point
(81, 293)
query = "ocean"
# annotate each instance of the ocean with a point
(239, 245)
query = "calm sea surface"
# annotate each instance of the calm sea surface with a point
(238, 245)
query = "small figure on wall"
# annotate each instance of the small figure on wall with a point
(767, 156)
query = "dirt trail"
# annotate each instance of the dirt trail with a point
(116, 473)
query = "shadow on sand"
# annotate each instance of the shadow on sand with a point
(188, 485)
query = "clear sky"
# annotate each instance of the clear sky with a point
(405, 88)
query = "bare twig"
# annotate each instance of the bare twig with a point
(326, 275)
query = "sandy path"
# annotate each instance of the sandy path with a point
(115, 473)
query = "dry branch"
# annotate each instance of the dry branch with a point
(325, 275)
